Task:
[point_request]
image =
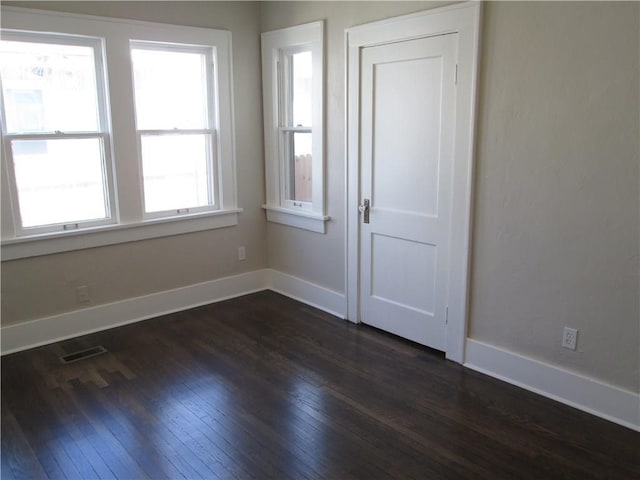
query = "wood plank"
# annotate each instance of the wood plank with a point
(18, 458)
(265, 387)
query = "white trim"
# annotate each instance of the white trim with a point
(578, 391)
(45, 244)
(319, 297)
(81, 322)
(294, 218)
(42, 331)
(463, 19)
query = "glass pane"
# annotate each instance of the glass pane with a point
(170, 89)
(299, 167)
(48, 87)
(175, 171)
(302, 82)
(59, 181)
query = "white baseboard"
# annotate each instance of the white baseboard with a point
(587, 394)
(42, 331)
(46, 330)
(322, 298)
(595, 397)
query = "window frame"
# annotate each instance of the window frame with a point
(212, 168)
(286, 127)
(127, 208)
(102, 134)
(276, 102)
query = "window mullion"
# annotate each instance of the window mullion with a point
(177, 131)
(288, 90)
(213, 171)
(299, 129)
(54, 136)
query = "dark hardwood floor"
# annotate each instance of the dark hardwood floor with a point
(265, 387)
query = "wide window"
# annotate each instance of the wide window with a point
(292, 63)
(55, 132)
(112, 131)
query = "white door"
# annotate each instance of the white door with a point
(407, 108)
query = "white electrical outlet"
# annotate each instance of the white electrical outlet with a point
(570, 338)
(82, 294)
(242, 253)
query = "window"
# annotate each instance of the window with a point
(173, 122)
(292, 64)
(296, 131)
(112, 131)
(55, 131)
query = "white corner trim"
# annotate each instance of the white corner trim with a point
(584, 393)
(42, 331)
(319, 297)
(51, 329)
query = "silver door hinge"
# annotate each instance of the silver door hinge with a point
(446, 318)
(455, 78)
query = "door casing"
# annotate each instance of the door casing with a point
(463, 19)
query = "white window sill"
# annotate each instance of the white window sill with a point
(297, 218)
(45, 244)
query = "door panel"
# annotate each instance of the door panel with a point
(402, 272)
(407, 118)
(406, 133)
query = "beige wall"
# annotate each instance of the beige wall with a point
(557, 204)
(43, 286)
(557, 207)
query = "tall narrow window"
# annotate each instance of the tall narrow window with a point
(174, 122)
(292, 67)
(54, 123)
(297, 125)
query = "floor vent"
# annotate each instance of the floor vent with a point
(82, 354)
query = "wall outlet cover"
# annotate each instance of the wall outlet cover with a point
(570, 338)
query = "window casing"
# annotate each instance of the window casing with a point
(293, 86)
(122, 139)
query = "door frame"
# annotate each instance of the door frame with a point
(463, 19)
